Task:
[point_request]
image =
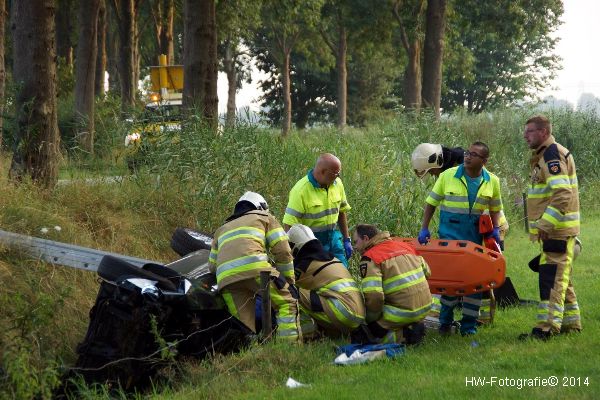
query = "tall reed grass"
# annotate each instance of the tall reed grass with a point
(194, 179)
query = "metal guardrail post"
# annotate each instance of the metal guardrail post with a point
(267, 327)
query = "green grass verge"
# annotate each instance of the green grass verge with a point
(438, 369)
(196, 181)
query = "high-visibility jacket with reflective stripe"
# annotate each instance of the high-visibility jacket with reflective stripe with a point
(333, 281)
(239, 248)
(314, 206)
(553, 196)
(396, 286)
(457, 219)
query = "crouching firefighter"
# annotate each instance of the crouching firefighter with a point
(394, 285)
(240, 251)
(327, 292)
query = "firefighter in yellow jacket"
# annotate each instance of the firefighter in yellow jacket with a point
(553, 214)
(240, 251)
(328, 293)
(394, 285)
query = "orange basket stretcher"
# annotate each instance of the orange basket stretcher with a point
(460, 267)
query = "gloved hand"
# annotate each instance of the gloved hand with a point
(495, 233)
(348, 248)
(424, 236)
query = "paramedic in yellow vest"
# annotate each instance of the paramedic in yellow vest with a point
(433, 159)
(553, 214)
(463, 193)
(329, 295)
(394, 285)
(240, 251)
(318, 200)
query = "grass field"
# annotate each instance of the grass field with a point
(195, 182)
(442, 366)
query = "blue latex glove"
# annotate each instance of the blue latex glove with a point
(424, 236)
(496, 234)
(348, 248)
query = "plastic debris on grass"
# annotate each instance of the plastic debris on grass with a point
(292, 383)
(359, 354)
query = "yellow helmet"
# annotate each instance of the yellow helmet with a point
(425, 157)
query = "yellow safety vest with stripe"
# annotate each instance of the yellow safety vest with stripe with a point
(241, 247)
(316, 207)
(337, 290)
(553, 196)
(395, 288)
(457, 219)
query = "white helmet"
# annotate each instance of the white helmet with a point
(259, 202)
(425, 157)
(299, 235)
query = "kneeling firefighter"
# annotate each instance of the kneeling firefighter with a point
(240, 251)
(394, 285)
(327, 291)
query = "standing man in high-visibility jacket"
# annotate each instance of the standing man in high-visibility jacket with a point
(463, 193)
(240, 252)
(553, 213)
(433, 159)
(318, 200)
(328, 295)
(394, 285)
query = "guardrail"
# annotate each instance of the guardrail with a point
(59, 253)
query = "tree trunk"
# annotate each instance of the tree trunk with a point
(127, 53)
(230, 71)
(287, 96)
(64, 18)
(85, 76)
(200, 60)
(434, 53)
(412, 44)
(112, 51)
(412, 77)
(166, 32)
(342, 76)
(2, 67)
(37, 138)
(101, 55)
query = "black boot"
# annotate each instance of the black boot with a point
(414, 334)
(362, 335)
(536, 333)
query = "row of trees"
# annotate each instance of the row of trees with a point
(339, 61)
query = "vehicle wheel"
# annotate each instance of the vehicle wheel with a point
(185, 241)
(112, 268)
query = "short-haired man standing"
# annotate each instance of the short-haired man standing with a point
(553, 213)
(318, 200)
(463, 193)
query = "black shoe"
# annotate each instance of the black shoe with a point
(537, 334)
(362, 335)
(449, 329)
(414, 334)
